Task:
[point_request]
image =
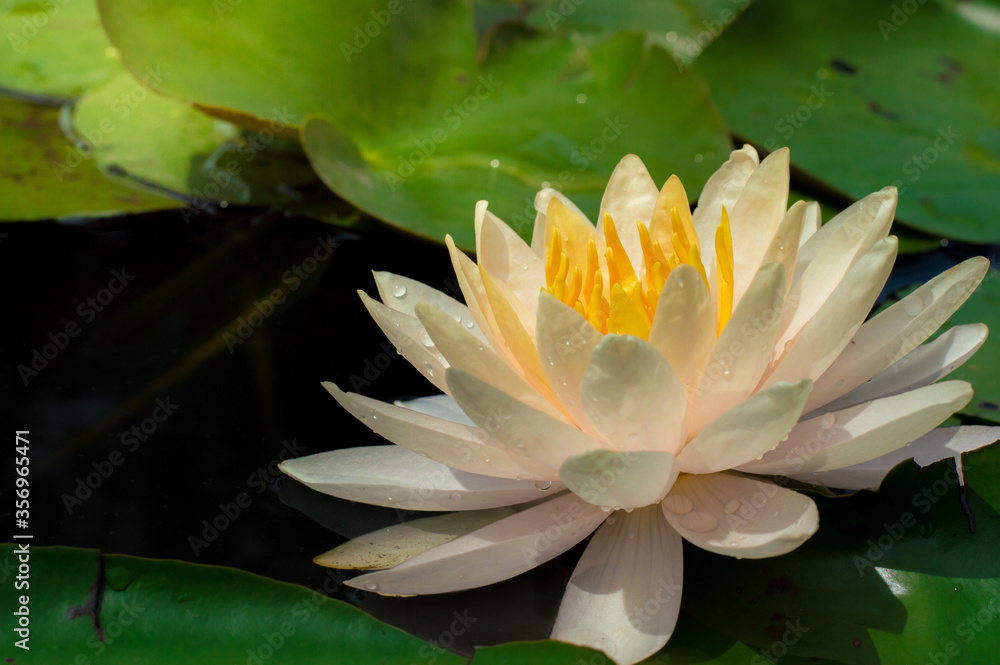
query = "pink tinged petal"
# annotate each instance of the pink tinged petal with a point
(920, 367)
(565, 341)
(395, 544)
(747, 431)
(615, 480)
(722, 189)
(632, 396)
(509, 259)
(811, 223)
(898, 330)
(863, 432)
(540, 234)
(684, 327)
(625, 593)
(756, 216)
(461, 447)
(464, 351)
(825, 260)
(492, 554)
(742, 351)
(629, 197)
(403, 294)
(397, 478)
(738, 516)
(827, 333)
(936, 445)
(406, 333)
(523, 430)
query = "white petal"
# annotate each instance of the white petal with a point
(395, 544)
(920, 367)
(620, 480)
(756, 216)
(811, 223)
(459, 446)
(633, 397)
(684, 326)
(827, 333)
(863, 432)
(471, 284)
(723, 189)
(440, 406)
(565, 341)
(494, 553)
(739, 516)
(509, 259)
(746, 431)
(405, 332)
(464, 351)
(525, 431)
(936, 445)
(403, 294)
(785, 243)
(625, 593)
(742, 351)
(397, 478)
(899, 329)
(629, 197)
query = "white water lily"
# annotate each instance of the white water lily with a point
(630, 378)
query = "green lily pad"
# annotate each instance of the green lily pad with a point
(425, 130)
(55, 48)
(43, 176)
(869, 94)
(170, 612)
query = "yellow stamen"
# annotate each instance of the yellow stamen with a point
(724, 273)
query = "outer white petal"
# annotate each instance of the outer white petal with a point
(397, 478)
(742, 351)
(811, 223)
(565, 341)
(629, 197)
(523, 430)
(403, 294)
(746, 431)
(633, 397)
(405, 332)
(439, 406)
(494, 553)
(625, 593)
(509, 259)
(474, 292)
(739, 516)
(459, 446)
(684, 326)
(827, 333)
(756, 216)
(863, 432)
(723, 189)
(920, 367)
(893, 333)
(620, 480)
(936, 445)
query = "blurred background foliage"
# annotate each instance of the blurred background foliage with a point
(210, 145)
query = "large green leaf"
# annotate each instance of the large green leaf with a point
(869, 94)
(54, 48)
(409, 126)
(42, 175)
(174, 612)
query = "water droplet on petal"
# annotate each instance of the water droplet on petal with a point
(469, 323)
(426, 340)
(913, 305)
(699, 521)
(732, 506)
(827, 421)
(524, 266)
(839, 383)
(629, 509)
(456, 496)
(399, 291)
(678, 504)
(428, 369)
(543, 484)
(371, 586)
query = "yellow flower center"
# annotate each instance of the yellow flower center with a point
(627, 304)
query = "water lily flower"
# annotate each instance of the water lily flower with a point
(649, 379)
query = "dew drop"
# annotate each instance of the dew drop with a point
(495, 163)
(399, 291)
(371, 586)
(428, 369)
(839, 383)
(678, 504)
(524, 266)
(629, 509)
(606, 509)
(456, 496)
(913, 305)
(732, 506)
(426, 340)
(469, 323)
(699, 521)
(827, 421)
(543, 484)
